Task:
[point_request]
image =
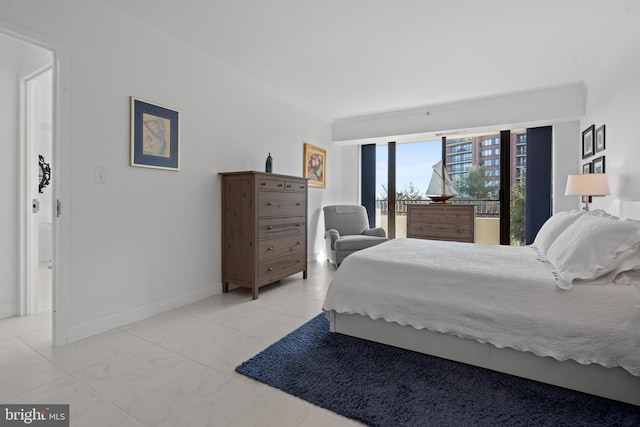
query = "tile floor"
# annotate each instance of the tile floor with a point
(174, 369)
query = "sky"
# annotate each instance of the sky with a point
(414, 163)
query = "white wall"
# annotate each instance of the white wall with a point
(614, 100)
(539, 108)
(148, 239)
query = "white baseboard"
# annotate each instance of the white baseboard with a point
(8, 311)
(318, 256)
(117, 320)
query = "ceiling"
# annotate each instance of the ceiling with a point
(344, 58)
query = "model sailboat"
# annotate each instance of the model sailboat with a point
(440, 188)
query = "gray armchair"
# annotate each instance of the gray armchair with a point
(347, 231)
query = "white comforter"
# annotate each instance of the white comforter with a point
(505, 296)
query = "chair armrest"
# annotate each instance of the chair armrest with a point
(332, 234)
(378, 232)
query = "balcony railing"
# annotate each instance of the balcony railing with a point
(484, 208)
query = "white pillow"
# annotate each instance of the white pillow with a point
(601, 213)
(552, 228)
(592, 248)
(626, 262)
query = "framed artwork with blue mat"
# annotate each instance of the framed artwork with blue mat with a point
(155, 135)
(381, 385)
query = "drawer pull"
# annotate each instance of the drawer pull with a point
(269, 227)
(298, 225)
(298, 242)
(298, 204)
(268, 203)
(279, 185)
(298, 260)
(270, 248)
(288, 185)
(263, 183)
(269, 269)
(302, 187)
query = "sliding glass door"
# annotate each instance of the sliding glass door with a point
(474, 163)
(476, 166)
(413, 168)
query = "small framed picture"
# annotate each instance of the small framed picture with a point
(598, 165)
(155, 137)
(315, 166)
(587, 142)
(600, 143)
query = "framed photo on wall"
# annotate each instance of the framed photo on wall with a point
(315, 166)
(600, 142)
(598, 165)
(155, 136)
(587, 141)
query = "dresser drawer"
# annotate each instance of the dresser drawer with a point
(271, 248)
(300, 186)
(444, 221)
(440, 215)
(278, 227)
(277, 268)
(459, 233)
(276, 203)
(270, 184)
(276, 184)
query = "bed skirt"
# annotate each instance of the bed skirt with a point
(612, 383)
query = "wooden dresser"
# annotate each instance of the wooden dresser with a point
(264, 228)
(441, 221)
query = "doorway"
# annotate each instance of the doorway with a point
(37, 120)
(27, 85)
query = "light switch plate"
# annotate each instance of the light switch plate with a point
(99, 175)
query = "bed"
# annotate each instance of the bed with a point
(564, 311)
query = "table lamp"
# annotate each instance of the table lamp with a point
(590, 184)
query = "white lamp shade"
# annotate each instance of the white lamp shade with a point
(589, 184)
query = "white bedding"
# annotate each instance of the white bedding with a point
(502, 295)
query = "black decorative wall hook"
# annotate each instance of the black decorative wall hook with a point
(44, 174)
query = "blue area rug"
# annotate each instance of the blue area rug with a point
(381, 385)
